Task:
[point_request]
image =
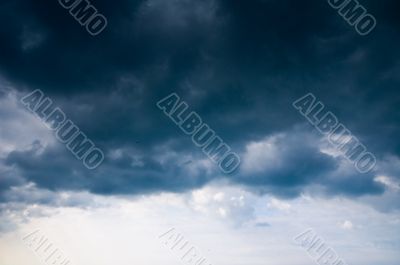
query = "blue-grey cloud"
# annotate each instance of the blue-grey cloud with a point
(239, 65)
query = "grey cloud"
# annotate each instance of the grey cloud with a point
(239, 65)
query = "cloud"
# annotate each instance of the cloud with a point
(232, 204)
(347, 225)
(240, 66)
(266, 234)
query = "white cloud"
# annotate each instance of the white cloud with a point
(278, 204)
(261, 155)
(125, 230)
(18, 127)
(347, 225)
(234, 204)
(391, 183)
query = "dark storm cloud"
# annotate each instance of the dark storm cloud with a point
(137, 39)
(55, 169)
(239, 64)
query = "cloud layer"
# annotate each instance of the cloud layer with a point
(239, 65)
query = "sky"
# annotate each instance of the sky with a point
(239, 65)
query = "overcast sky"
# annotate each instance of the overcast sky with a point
(240, 65)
